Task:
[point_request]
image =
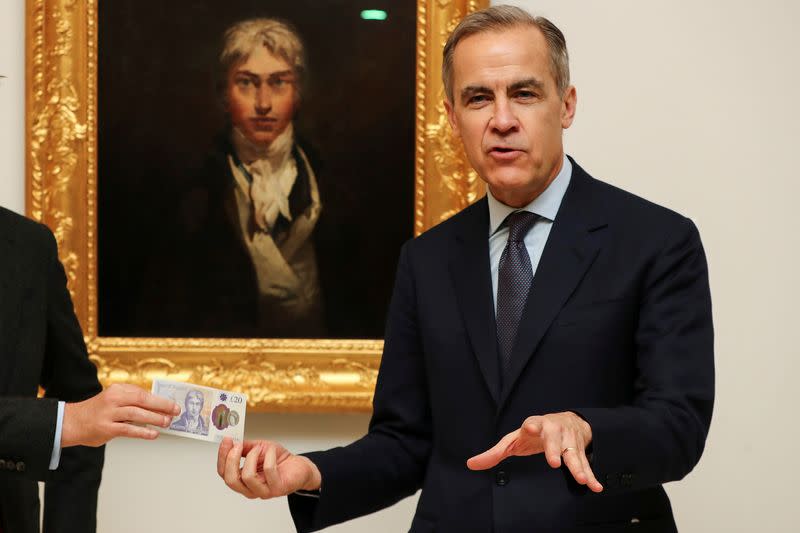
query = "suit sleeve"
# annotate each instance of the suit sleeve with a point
(67, 374)
(27, 429)
(661, 436)
(389, 463)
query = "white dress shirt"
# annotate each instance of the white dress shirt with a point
(545, 205)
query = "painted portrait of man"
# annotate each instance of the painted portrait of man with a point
(249, 215)
(276, 195)
(282, 193)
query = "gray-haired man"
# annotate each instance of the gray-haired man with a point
(548, 361)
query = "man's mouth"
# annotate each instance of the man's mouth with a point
(504, 152)
(263, 123)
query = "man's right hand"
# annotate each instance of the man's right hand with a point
(269, 470)
(113, 413)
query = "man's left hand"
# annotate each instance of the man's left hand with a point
(560, 436)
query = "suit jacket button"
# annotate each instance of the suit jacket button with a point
(11, 466)
(501, 478)
(20, 466)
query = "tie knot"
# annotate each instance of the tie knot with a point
(519, 223)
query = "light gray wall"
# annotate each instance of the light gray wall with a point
(690, 104)
(12, 105)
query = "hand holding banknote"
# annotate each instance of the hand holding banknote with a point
(269, 469)
(114, 413)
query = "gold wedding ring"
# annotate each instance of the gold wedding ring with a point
(567, 449)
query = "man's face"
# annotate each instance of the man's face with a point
(193, 405)
(262, 96)
(508, 112)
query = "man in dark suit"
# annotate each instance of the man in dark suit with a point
(56, 439)
(548, 361)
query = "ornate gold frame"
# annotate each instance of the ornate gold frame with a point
(61, 191)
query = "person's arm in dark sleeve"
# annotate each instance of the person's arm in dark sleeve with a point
(27, 431)
(68, 375)
(389, 463)
(661, 436)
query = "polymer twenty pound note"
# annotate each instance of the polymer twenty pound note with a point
(206, 414)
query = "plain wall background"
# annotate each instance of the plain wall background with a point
(689, 104)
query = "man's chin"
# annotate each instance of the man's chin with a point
(512, 190)
(260, 138)
(508, 181)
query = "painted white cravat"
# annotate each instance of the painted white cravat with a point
(273, 172)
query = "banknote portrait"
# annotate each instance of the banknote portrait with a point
(196, 405)
(191, 419)
(255, 166)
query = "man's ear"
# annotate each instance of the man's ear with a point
(451, 116)
(568, 106)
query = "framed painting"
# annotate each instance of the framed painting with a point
(230, 183)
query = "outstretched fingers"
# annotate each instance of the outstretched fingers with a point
(491, 457)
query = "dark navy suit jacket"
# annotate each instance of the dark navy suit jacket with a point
(617, 328)
(41, 343)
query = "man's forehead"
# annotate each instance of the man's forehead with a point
(261, 60)
(501, 57)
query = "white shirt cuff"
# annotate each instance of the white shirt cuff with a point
(308, 493)
(55, 457)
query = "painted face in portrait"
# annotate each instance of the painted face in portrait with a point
(194, 403)
(508, 111)
(262, 96)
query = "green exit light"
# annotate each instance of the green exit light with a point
(374, 14)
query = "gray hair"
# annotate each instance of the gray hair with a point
(502, 17)
(280, 38)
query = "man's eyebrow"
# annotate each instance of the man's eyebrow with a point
(276, 74)
(527, 83)
(281, 73)
(470, 90)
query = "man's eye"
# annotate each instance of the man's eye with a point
(279, 83)
(244, 82)
(477, 99)
(526, 94)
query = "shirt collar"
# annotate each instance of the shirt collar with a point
(545, 205)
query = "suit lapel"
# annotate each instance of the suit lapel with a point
(571, 248)
(469, 268)
(9, 309)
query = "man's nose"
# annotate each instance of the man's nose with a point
(504, 120)
(263, 99)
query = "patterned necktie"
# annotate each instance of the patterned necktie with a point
(514, 279)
